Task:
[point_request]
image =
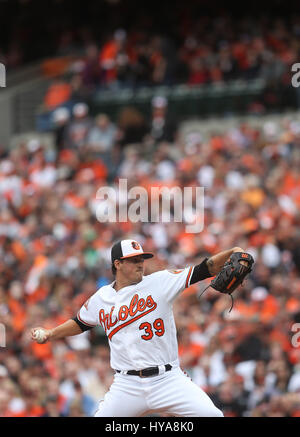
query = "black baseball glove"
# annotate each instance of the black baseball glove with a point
(232, 274)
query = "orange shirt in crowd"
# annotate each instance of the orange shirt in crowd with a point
(264, 310)
(41, 351)
(190, 353)
(253, 196)
(18, 314)
(107, 59)
(57, 94)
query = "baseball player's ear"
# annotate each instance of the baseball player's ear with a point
(117, 262)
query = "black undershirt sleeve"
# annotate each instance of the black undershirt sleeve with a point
(200, 272)
(82, 326)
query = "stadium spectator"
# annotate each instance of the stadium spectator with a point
(58, 94)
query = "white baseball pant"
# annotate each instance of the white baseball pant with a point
(171, 392)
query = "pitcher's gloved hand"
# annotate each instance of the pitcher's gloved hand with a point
(233, 272)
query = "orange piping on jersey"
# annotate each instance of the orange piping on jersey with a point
(114, 331)
(86, 304)
(188, 278)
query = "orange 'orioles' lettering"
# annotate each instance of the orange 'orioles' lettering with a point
(123, 313)
(134, 302)
(137, 305)
(111, 323)
(141, 304)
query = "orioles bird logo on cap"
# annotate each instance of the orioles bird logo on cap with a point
(135, 245)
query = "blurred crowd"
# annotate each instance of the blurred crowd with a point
(122, 46)
(211, 50)
(55, 253)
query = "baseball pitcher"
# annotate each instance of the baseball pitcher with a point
(136, 313)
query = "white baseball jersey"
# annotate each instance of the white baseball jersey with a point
(138, 319)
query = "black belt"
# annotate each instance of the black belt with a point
(145, 373)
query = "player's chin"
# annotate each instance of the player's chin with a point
(138, 276)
